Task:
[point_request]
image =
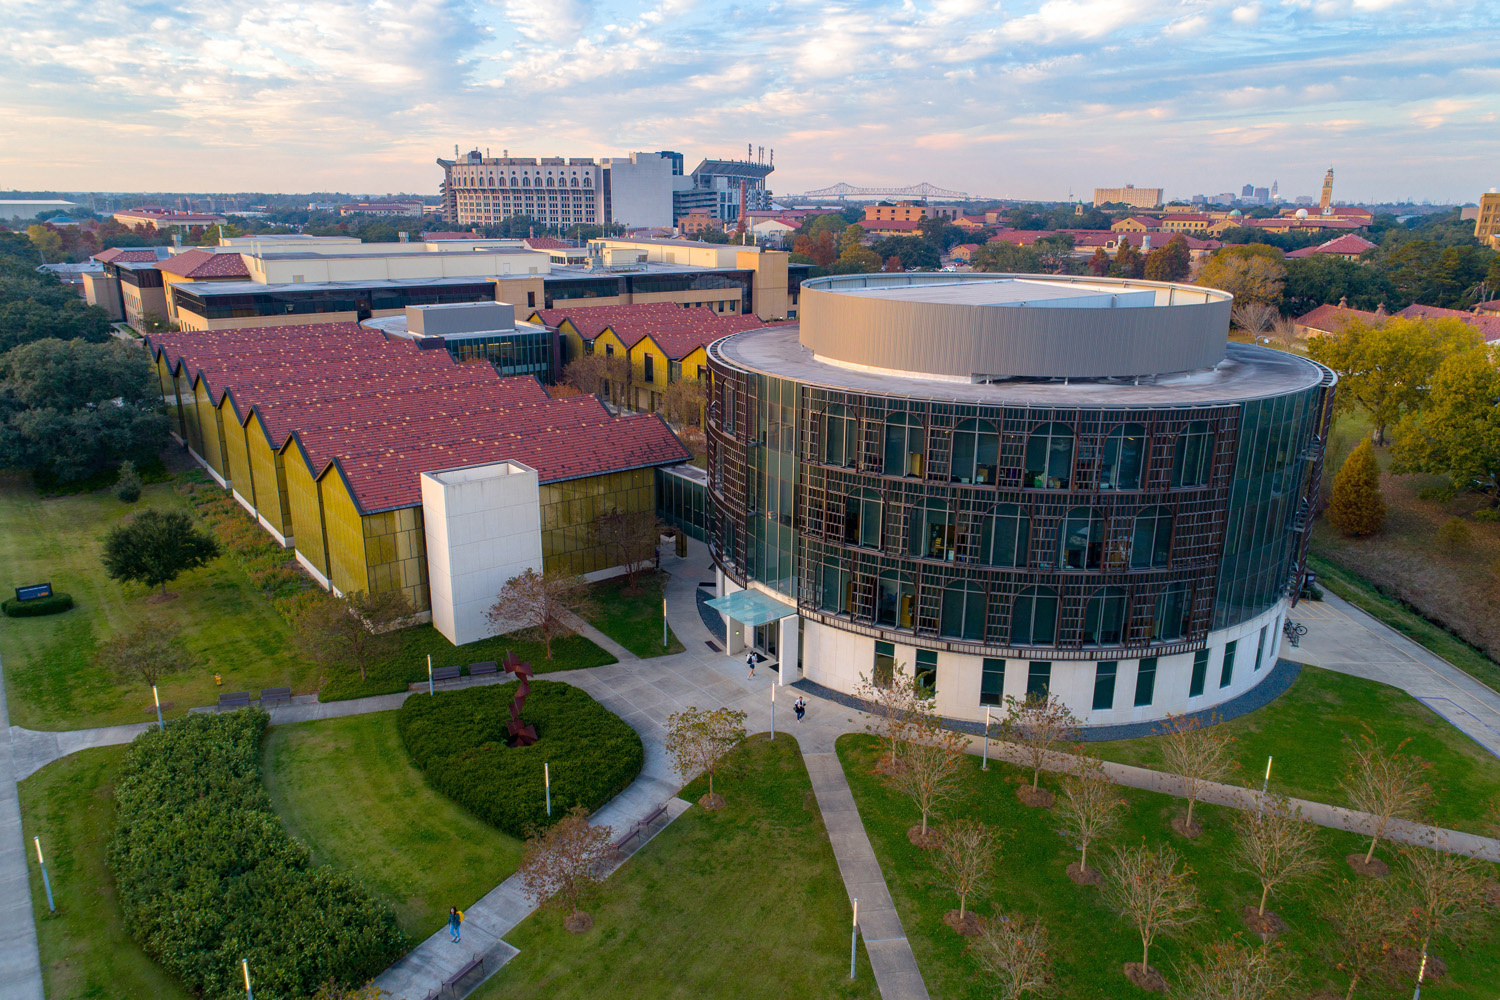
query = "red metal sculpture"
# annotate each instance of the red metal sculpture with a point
(521, 734)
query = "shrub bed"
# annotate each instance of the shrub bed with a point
(206, 874)
(459, 741)
(54, 605)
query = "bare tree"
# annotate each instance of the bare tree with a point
(698, 739)
(931, 758)
(1254, 318)
(597, 374)
(1229, 972)
(1200, 754)
(682, 401)
(1387, 784)
(1445, 890)
(357, 629)
(893, 705)
(1146, 887)
(1366, 921)
(540, 603)
(567, 859)
(1014, 954)
(965, 861)
(630, 537)
(1284, 332)
(147, 653)
(1037, 725)
(1088, 810)
(1275, 845)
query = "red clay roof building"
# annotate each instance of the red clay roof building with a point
(199, 264)
(1349, 246)
(1488, 326)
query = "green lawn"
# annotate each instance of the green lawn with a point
(1304, 728)
(633, 619)
(345, 788)
(745, 903)
(1090, 944)
(86, 953)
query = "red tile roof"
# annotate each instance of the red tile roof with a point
(1145, 220)
(889, 225)
(1488, 326)
(677, 331)
(1328, 318)
(383, 411)
(547, 243)
(448, 235)
(1103, 238)
(1493, 305)
(128, 255)
(205, 264)
(1020, 237)
(1349, 244)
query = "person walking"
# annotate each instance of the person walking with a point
(750, 662)
(800, 707)
(455, 922)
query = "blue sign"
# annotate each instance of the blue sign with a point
(34, 591)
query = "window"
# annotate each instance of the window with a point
(1033, 617)
(1120, 466)
(903, 445)
(976, 452)
(1104, 685)
(925, 679)
(862, 519)
(836, 589)
(933, 531)
(1200, 673)
(963, 611)
(885, 664)
(1104, 618)
(1172, 611)
(1005, 536)
(1038, 680)
(1151, 542)
(609, 350)
(531, 300)
(992, 682)
(840, 437)
(1260, 647)
(674, 371)
(1145, 682)
(728, 408)
(1081, 540)
(1049, 458)
(1226, 672)
(650, 365)
(1193, 455)
(894, 597)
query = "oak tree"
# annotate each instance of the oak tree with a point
(1457, 434)
(155, 546)
(358, 629)
(1252, 273)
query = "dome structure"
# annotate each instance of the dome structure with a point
(1301, 213)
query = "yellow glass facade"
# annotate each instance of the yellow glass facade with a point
(212, 435)
(268, 469)
(569, 508)
(305, 508)
(236, 452)
(396, 553)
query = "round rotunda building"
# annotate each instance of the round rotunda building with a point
(1012, 484)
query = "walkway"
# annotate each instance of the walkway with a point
(20, 960)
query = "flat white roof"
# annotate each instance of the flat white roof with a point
(1013, 292)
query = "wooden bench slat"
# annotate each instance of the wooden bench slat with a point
(476, 962)
(447, 673)
(485, 667)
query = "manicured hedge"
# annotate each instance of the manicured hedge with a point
(54, 605)
(458, 739)
(206, 875)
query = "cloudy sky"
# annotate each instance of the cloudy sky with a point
(1023, 98)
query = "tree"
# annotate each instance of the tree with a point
(1229, 972)
(1445, 891)
(1099, 263)
(1014, 954)
(567, 859)
(893, 703)
(1366, 922)
(1252, 273)
(1088, 810)
(1325, 278)
(1200, 755)
(597, 374)
(1253, 318)
(965, 861)
(697, 741)
(629, 536)
(1055, 253)
(69, 408)
(1173, 262)
(1128, 262)
(1146, 887)
(541, 603)
(1037, 724)
(128, 483)
(147, 653)
(1355, 505)
(155, 546)
(358, 629)
(1458, 433)
(824, 251)
(1284, 332)
(1387, 368)
(682, 401)
(929, 763)
(1005, 257)
(1385, 783)
(1276, 846)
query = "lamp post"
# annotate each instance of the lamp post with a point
(986, 765)
(46, 882)
(1421, 970)
(429, 673)
(157, 698)
(773, 711)
(1264, 786)
(547, 779)
(245, 964)
(853, 937)
(664, 622)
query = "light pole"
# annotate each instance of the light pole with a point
(429, 673)
(986, 765)
(46, 882)
(853, 937)
(245, 964)
(1421, 969)
(664, 622)
(773, 711)
(157, 698)
(547, 779)
(1264, 785)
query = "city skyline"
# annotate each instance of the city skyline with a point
(1028, 101)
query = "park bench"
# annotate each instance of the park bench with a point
(451, 983)
(447, 673)
(481, 669)
(635, 830)
(652, 818)
(234, 700)
(275, 694)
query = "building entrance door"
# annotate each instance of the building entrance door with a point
(766, 640)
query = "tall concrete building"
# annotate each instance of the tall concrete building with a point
(1129, 195)
(559, 191)
(638, 189)
(714, 187)
(1487, 218)
(1325, 204)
